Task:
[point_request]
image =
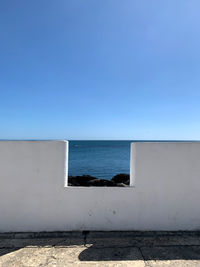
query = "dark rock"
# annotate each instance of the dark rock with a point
(121, 178)
(121, 185)
(100, 182)
(80, 180)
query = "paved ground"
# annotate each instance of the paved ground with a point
(100, 249)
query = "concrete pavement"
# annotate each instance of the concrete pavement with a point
(100, 249)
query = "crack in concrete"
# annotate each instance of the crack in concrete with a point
(85, 234)
(143, 257)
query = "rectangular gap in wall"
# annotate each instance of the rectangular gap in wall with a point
(99, 163)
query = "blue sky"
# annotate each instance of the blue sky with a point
(109, 69)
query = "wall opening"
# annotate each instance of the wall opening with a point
(99, 163)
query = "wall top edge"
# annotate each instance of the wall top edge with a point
(34, 141)
(132, 142)
(165, 142)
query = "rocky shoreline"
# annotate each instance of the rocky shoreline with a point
(119, 180)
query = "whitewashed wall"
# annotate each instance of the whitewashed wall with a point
(165, 195)
(167, 185)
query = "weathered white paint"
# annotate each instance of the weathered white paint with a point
(165, 195)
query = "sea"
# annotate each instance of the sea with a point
(101, 159)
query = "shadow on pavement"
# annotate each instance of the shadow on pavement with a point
(112, 246)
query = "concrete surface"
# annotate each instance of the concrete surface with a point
(166, 176)
(33, 196)
(100, 249)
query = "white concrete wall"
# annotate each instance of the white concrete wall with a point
(167, 185)
(32, 174)
(165, 195)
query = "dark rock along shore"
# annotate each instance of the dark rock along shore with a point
(119, 180)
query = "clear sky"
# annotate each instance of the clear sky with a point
(107, 69)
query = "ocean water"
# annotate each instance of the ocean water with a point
(102, 159)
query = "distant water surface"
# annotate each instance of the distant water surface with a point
(102, 159)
